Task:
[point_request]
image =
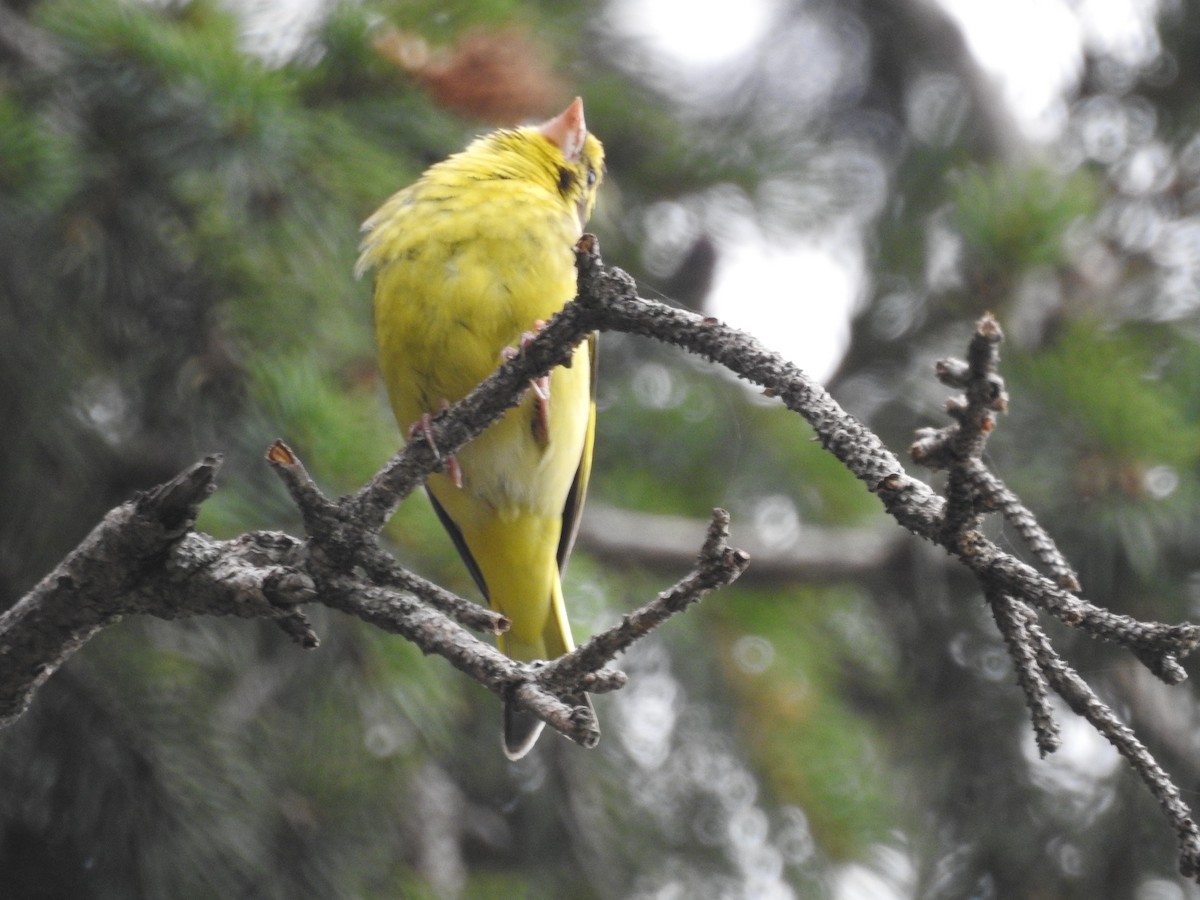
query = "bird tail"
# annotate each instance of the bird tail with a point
(521, 728)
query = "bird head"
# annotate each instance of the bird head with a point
(559, 154)
(582, 166)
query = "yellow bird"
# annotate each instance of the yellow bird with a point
(467, 260)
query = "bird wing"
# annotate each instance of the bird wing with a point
(460, 543)
(573, 508)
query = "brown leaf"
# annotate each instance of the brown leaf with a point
(501, 77)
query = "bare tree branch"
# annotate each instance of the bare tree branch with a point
(717, 566)
(972, 492)
(1013, 619)
(146, 558)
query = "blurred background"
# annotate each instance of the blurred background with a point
(181, 186)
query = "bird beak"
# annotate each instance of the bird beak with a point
(567, 131)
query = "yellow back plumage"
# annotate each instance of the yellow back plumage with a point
(467, 259)
(511, 168)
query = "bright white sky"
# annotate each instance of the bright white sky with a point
(1033, 48)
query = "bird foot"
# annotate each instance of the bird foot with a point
(541, 409)
(539, 386)
(423, 427)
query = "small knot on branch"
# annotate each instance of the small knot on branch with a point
(952, 372)
(1189, 851)
(588, 264)
(585, 727)
(176, 503)
(983, 357)
(314, 506)
(288, 587)
(958, 409)
(717, 536)
(931, 448)
(587, 250)
(605, 681)
(988, 329)
(1163, 665)
(574, 720)
(1068, 581)
(296, 626)
(718, 563)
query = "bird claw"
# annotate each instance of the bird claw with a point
(423, 427)
(539, 386)
(454, 471)
(541, 409)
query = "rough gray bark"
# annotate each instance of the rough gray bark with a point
(146, 558)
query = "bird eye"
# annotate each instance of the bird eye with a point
(591, 177)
